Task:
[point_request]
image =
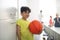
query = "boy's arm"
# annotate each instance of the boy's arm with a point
(18, 32)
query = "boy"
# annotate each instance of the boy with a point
(22, 24)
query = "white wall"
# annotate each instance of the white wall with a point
(49, 9)
(35, 11)
(58, 6)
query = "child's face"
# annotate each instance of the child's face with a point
(57, 15)
(25, 15)
(50, 16)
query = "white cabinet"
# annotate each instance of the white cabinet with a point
(7, 30)
(8, 24)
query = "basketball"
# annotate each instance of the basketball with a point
(35, 27)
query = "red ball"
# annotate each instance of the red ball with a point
(35, 27)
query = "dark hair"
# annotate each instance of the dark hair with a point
(25, 9)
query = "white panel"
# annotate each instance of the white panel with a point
(7, 20)
(7, 30)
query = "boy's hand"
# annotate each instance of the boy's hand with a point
(18, 32)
